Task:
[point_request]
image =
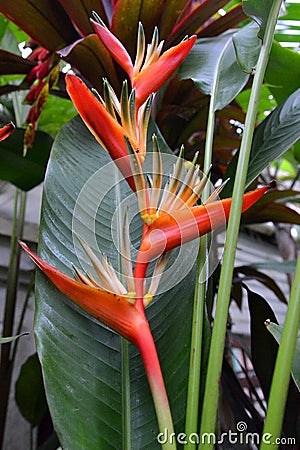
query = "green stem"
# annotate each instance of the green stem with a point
(6, 362)
(126, 407)
(194, 383)
(24, 309)
(193, 396)
(211, 396)
(192, 409)
(125, 361)
(148, 351)
(283, 366)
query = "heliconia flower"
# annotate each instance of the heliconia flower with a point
(170, 230)
(150, 69)
(111, 308)
(6, 131)
(101, 117)
(187, 224)
(117, 311)
(172, 215)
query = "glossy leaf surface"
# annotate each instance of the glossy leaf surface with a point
(259, 11)
(81, 359)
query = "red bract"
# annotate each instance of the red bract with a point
(169, 231)
(122, 316)
(102, 125)
(112, 309)
(150, 70)
(6, 131)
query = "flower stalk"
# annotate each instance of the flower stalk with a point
(210, 402)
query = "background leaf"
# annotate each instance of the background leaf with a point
(215, 58)
(24, 172)
(272, 138)
(4, 340)
(247, 47)
(81, 12)
(11, 63)
(258, 11)
(276, 331)
(264, 352)
(284, 266)
(30, 394)
(46, 22)
(81, 358)
(93, 60)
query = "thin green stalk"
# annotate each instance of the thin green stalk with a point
(194, 383)
(6, 362)
(125, 362)
(126, 407)
(211, 396)
(283, 366)
(192, 409)
(24, 309)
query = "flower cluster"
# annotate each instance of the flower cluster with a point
(42, 77)
(171, 213)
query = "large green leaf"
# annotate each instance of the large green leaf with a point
(259, 11)
(275, 135)
(281, 79)
(220, 66)
(81, 359)
(24, 172)
(272, 138)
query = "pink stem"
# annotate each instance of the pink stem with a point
(147, 348)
